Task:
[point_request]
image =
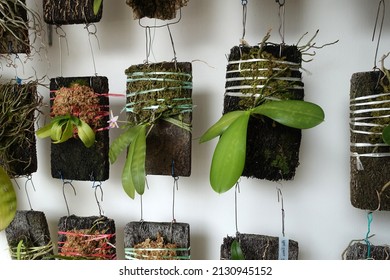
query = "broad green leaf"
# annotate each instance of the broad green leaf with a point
(221, 125)
(86, 134)
(8, 203)
(229, 155)
(138, 162)
(127, 179)
(293, 113)
(122, 142)
(236, 252)
(96, 6)
(386, 135)
(44, 131)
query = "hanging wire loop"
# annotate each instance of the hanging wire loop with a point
(382, 6)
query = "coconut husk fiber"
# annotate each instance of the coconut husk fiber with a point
(30, 227)
(20, 156)
(15, 40)
(71, 160)
(178, 234)
(168, 146)
(87, 237)
(159, 9)
(272, 149)
(258, 247)
(70, 12)
(369, 164)
(359, 251)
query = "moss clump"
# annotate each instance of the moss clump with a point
(157, 249)
(79, 101)
(153, 93)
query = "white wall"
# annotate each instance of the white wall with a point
(319, 215)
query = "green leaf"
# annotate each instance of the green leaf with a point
(138, 164)
(293, 113)
(44, 131)
(127, 179)
(386, 135)
(86, 134)
(56, 130)
(236, 252)
(229, 155)
(8, 203)
(133, 174)
(221, 125)
(67, 133)
(122, 142)
(96, 6)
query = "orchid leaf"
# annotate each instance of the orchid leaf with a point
(122, 142)
(138, 161)
(44, 131)
(293, 113)
(127, 179)
(56, 131)
(8, 203)
(236, 251)
(86, 134)
(96, 6)
(229, 155)
(67, 133)
(221, 125)
(386, 135)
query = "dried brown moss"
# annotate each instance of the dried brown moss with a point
(160, 9)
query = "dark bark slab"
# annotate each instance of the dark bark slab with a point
(31, 227)
(258, 247)
(160, 9)
(369, 174)
(72, 160)
(272, 149)
(359, 251)
(70, 12)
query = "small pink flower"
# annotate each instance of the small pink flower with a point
(113, 121)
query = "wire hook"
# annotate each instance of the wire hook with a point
(92, 33)
(63, 192)
(366, 240)
(29, 179)
(380, 5)
(282, 16)
(236, 192)
(99, 186)
(174, 189)
(244, 13)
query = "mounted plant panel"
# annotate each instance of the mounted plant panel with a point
(370, 155)
(159, 9)
(259, 247)
(19, 104)
(86, 238)
(78, 128)
(157, 241)
(28, 236)
(72, 11)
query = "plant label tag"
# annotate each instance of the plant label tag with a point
(283, 248)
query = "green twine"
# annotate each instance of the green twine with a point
(369, 221)
(131, 253)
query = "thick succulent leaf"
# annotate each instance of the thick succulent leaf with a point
(386, 135)
(8, 203)
(229, 156)
(44, 131)
(86, 134)
(236, 252)
(293, 113)
(127, 179)
(96, 6)
(138, 164)
(133, 175)
(220, 126)
(122, 142)
(67, 133)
